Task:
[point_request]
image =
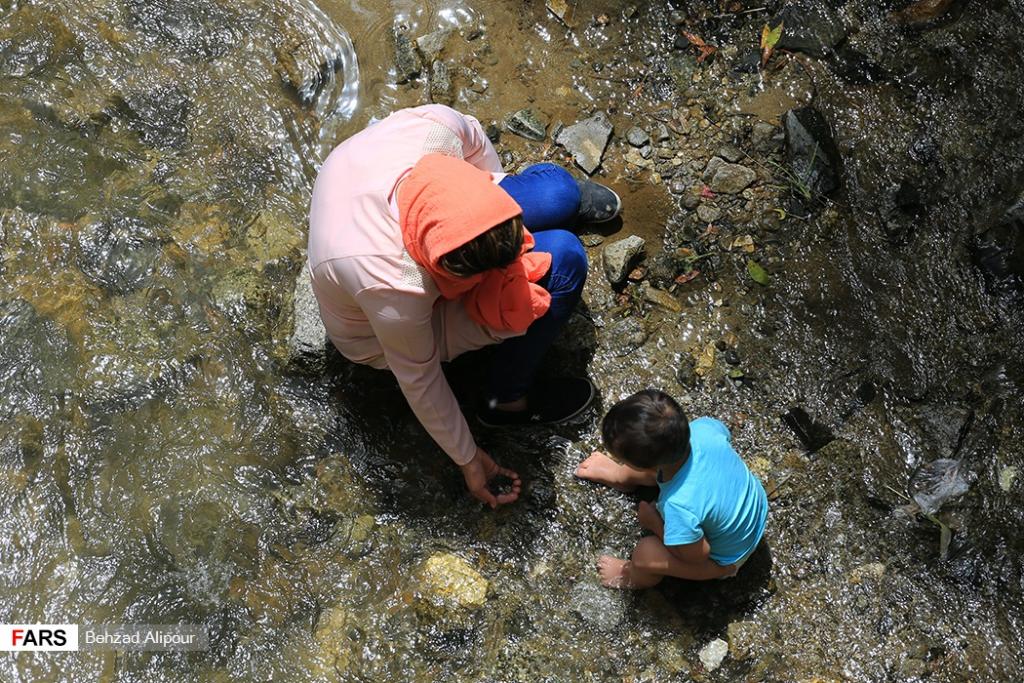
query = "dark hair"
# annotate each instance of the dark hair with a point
(496, 248)
(647, 429)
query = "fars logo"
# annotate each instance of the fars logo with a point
(38, 637)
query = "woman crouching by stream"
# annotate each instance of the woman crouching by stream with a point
(421, 248)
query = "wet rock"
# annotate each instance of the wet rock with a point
(811, 151)
(708, 213)
(637, 136)
(447, 582)
(601, 608)
(591, 239)
(34, 353)
(191, 28)
(306, 64)
(525, 123)
(712, 654)
(625, 336)
(407, 61)
(937, 483)
(31, 40)
(334, 642)
(691, 197)
(635, 157)
(762, 135)
(661, 133)
(432, 44)
(308, 341)
(440, 84)
(744, 637)
(810, 26)
(159, 116)
(730, 153)
(721, 176)
(586, 141)
(922, 11)
(119, 254)
(812, 434)
(999, 250)
(618, 257)
(686, 374)
(662, 299)
(562, 10)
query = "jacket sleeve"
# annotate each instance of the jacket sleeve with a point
(476, 147)
(406, 335)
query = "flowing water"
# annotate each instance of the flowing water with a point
(163, 462)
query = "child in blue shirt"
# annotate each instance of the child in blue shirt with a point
(711, 509)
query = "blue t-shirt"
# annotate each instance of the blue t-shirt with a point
(714, 495)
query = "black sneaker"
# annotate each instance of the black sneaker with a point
(598, 204)
(552, 401)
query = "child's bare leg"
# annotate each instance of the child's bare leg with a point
(603, 470)
(650, 563)
(650, 519)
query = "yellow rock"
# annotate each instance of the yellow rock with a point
(448, 580)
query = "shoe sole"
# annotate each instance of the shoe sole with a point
(568, 418)
(618, 209)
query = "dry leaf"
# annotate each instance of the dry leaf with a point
(922, 11)
(769, 38)
(703, 48)
(744, 243)
(686, 277)
(706, 193)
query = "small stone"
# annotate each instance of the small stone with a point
(708, 213)
(637, 274)
(677, 18)
(731, 357)
(762, 134)
(625, 336)
(678, 186)
(686, 375)
(637, 136)
(712, 654)
(709, 170)
(525, 123)
(661, 133)
(586, 141)
(447, 580)
(479, 85)
(872, 570)
(730, 153)
(743, 639)
(691, 197)
(562, 10)
(662, 299)
(407, 61)
(432, 44)
(591, 239)
(440, 83)
(618, 257)
(493, 132)
(308, 341)
(601, 608)
(635, 157)
(1006, 477)
(811, 150)
(646, 151)
(731, 178)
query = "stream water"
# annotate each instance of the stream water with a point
(162, 461)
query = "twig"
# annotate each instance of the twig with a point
(738, 14)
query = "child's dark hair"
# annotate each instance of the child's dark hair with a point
(647, 429)
(495, 248)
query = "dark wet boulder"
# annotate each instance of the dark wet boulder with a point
(119, 254)
(812, 434)
(811, 151)
(159, 115)
(307, 66)
(809, 26)
(407, 60)
(586, 141)
(999, 250)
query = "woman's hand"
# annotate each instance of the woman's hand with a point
(479, 472)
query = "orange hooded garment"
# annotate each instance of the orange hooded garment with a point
(446, 202)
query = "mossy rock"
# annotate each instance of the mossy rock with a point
(447, 584)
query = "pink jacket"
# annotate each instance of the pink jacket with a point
(380, 307)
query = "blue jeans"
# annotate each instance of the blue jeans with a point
(550, 200)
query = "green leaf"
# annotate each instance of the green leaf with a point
(757, 273)
(769, 37)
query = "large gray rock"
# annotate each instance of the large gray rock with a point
(407, 61)
(308, 341)
(525, 123)
(721, 176)
(618, 257)
(586, 141)
(811, 151)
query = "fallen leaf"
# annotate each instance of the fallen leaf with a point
(706, 192)
(705, 360)
(782, 213)
(769, 38)
(922, 11)
(703, 48)
(757, 273)
(709, 231)
(744, 243)
(686, 277)
(735, 373)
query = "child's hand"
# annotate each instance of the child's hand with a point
(649, 518)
